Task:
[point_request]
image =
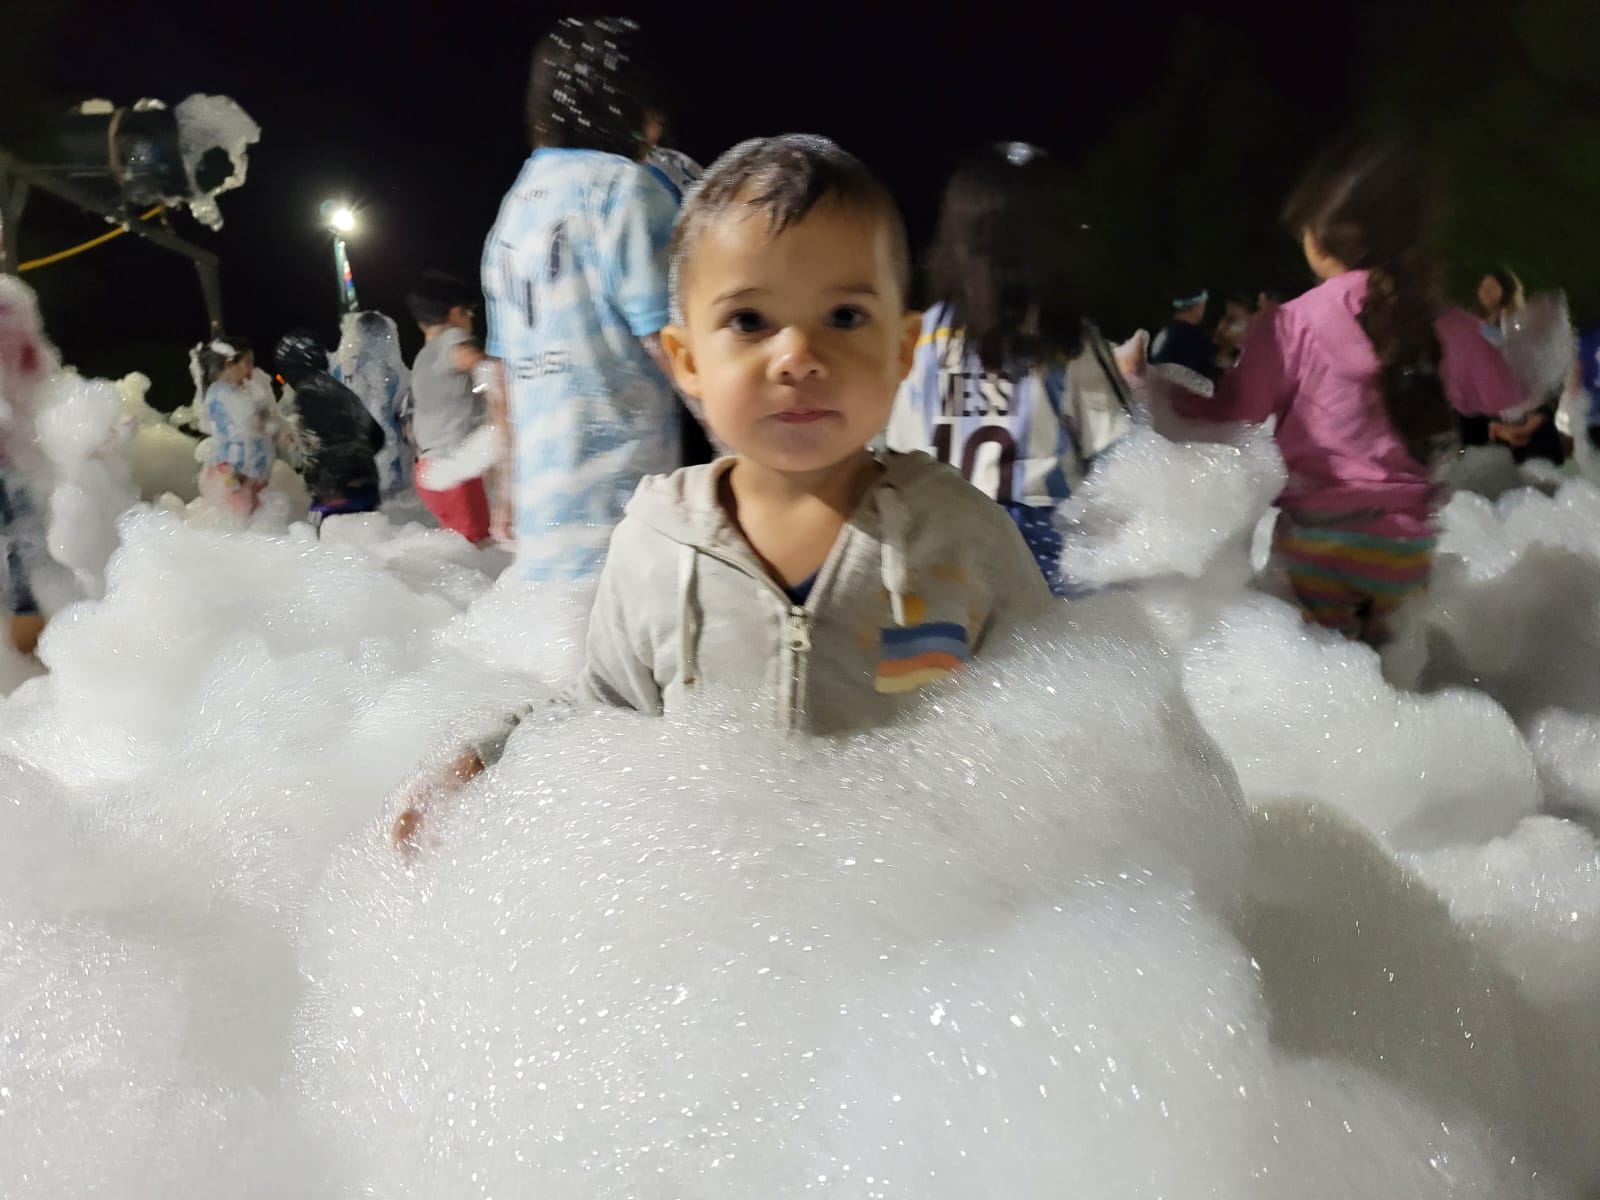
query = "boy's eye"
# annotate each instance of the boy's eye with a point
(847, 316)
(746, 320)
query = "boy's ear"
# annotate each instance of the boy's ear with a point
(675, 344)
(910, 334)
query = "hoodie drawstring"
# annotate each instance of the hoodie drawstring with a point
(896, 529)
(688, 617)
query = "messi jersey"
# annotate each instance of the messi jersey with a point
(1020, 437)
(574, 274)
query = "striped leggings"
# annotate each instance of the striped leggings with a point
(1350, 581)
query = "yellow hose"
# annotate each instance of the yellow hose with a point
(34, 264)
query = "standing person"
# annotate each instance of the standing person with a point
(1232, 329)
(1500, 298)
(675, 169)
(575, 276)
(1010, 385)
(1184, 342)
(341, 440)
(239, 416)
(1364, 375)
(446, 410)
(369, 363)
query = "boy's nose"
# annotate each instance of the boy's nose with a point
(794, 359)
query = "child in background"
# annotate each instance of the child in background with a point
(1184, 342)
(1587, 379)
(368, 362)
(26, 361)
(238, 414)
(1010, 384)
(342, 441)
(830, 584)
(575, 278)
(1365, 375)
(446, 410)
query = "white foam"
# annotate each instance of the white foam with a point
(1030, 943)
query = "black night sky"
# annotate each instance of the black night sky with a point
(1184, 130)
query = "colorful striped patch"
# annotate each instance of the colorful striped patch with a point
(913, 656)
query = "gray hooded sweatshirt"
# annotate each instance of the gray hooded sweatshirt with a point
(925, 570)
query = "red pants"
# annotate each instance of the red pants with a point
(463, 508)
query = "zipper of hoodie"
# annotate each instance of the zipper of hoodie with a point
(796, 627)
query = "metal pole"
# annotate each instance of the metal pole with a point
(20, 174)
(13, 195)
(346, 279)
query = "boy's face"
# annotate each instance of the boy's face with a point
(794, 344)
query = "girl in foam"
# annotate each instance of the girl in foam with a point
(241, 418)
(1364, 375)
(26, 361)
(1010, 384)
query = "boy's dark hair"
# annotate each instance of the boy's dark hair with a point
(298, 356)
(582, 91)
(433, 294)
(1371, 204)
(785, 178)
(1002, 258)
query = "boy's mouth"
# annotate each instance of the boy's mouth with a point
(803, 416)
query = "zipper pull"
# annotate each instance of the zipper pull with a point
(799, 630)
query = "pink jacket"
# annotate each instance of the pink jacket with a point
(1313, 368)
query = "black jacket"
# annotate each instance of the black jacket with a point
(1189, 346)
(341, 439)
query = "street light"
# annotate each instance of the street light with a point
(341, 219)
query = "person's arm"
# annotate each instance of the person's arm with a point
(1018, 591)
(490, 374)
(1260, 385)
(427, 790)
(1477, 379)
(1092, 406)
(633, 252)
(466, 355)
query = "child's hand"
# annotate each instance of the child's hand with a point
(425, 791)
(1133, 355)
(1516, 433)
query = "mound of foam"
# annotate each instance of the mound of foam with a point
(1514, 606)
(1534, 897)
(212, 128)
(1154, 507)
(990, 952)
(1308, 716)
(641, 958)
